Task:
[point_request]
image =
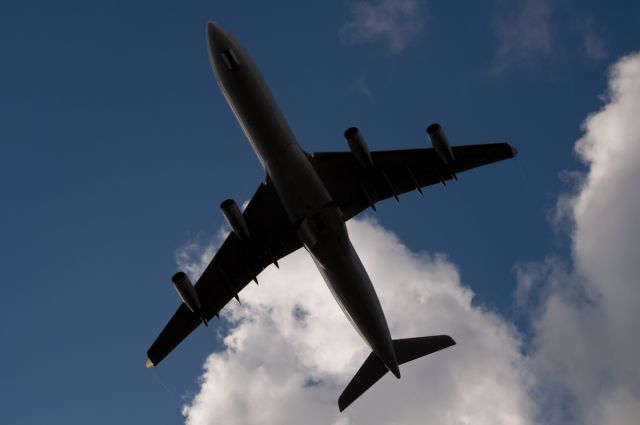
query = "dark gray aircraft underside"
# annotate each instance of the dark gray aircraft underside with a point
(304, 202)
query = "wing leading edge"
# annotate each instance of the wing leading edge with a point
(237, 262)
(355, 188)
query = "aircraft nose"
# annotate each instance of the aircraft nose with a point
(214, 35)
(225, 53)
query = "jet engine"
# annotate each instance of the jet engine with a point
(186, 291)
(234, 217)
(440, 143)
(358, 146)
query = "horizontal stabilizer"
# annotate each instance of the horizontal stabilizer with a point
(373, 369)
(408, 349)
(368, 374)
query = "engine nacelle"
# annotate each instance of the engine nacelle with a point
(186, 291)
(440, 143)
(358, 147)
(234, 217)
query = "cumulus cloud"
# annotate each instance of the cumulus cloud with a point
(586, 328)
(395, 22)
(290, 351)
(523, 33)
(193, 257)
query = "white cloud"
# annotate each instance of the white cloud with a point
(290, 351)
(193, 257)
(394, 21)
(587, 326)
(523, 33)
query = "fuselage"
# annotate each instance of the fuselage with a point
(319, 222)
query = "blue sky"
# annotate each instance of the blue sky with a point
(117, 147)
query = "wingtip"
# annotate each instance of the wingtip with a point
(149, 364)
(514, 151)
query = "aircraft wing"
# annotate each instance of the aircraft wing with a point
(237, 262)
(355, 188)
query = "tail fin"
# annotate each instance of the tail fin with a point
(373, 369)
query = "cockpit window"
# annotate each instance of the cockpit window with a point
(230, 59)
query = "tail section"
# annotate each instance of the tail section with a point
(408, 349)
(373, 369)
(368, 374)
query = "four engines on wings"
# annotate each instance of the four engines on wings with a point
(240, 228)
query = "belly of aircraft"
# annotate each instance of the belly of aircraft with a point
(301, 190)
(327, 240)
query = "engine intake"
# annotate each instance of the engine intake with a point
(234, 217)
(440, 143)
(358, 146)
(186, 291)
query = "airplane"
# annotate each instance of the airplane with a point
(305, 201)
